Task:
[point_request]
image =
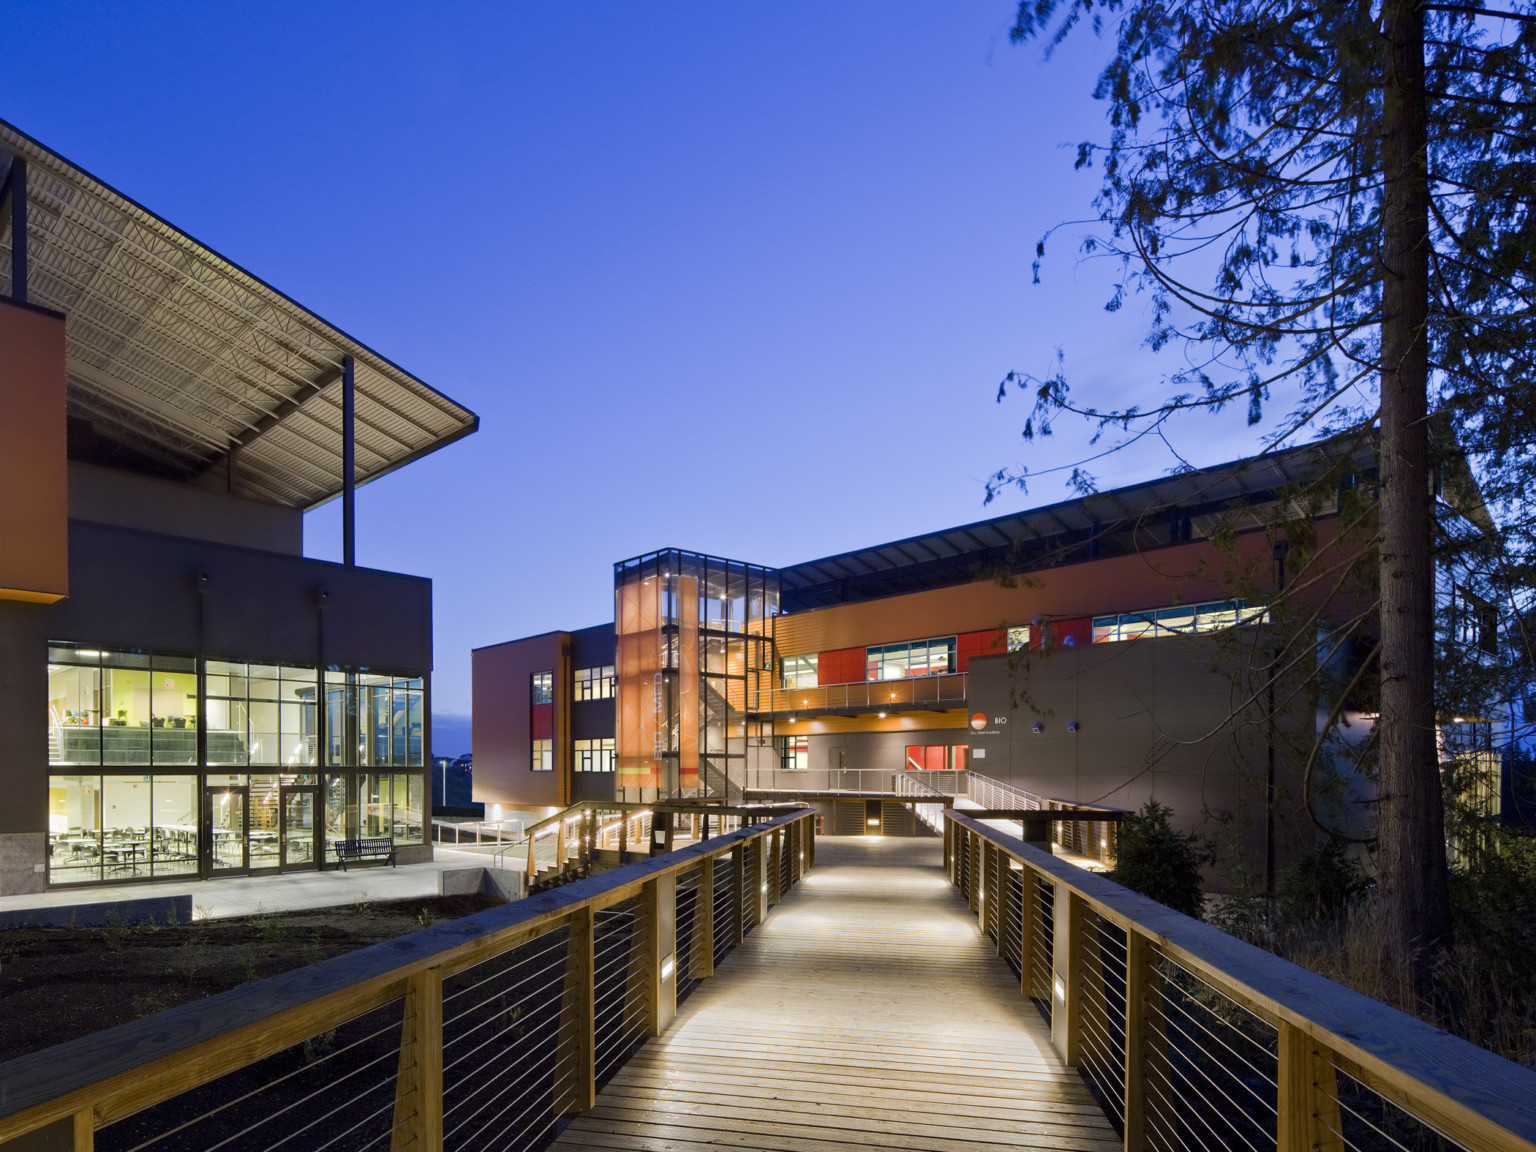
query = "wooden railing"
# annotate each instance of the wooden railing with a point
(570, 840)
(477, 1033)
(1095, 839)
(1193, 1040)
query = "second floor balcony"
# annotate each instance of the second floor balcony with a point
(916, 693)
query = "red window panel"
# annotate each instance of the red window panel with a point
(543, 721)
(1065, 634)
(937, 757)
(841, 666)
(992, 642)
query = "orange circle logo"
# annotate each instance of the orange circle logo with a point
(979, 721)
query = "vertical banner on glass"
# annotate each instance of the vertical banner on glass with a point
(688, 683)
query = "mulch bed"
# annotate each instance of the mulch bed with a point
(57, 984)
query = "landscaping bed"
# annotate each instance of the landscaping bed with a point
(57, 984)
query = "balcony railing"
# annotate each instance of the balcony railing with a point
(868, 695)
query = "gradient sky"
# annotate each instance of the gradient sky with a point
(734, 278)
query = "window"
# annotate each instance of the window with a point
(543, 687)
(1018, 638)
(543, 756)
(120, 707)
(794, 753)
(121, 827)
(590, 684)
(594, 755)
(1179, 620)
(1477, 622)
(260, 713)
(799, 671)
(916, 658)
(936, 757)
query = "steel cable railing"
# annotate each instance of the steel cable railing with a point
(337, 1087)
(727, 904)
(1102, 992)
(1043, 927)
(507, 1067)
(623, 973)
(1163, 1019)
(474, 1035)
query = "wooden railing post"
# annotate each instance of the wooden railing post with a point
(577, 1014)
(418, 1125)
(659, 918)
(739, 891)
(760, 880)
(810, 841)
(1029, 899)
(85, 1131)
(704, 917)
(949, 848)
(982, 884)
(1136, 1032)
(775, 865)
(1308, 1096)
(1066, 1006)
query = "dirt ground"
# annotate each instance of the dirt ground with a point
(60, 983)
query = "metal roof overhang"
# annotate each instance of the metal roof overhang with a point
(188, 360)
(1240, 480)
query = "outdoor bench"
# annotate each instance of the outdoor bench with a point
(379, 849)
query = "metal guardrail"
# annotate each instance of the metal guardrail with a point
(949, 781)
(476, 1033)
(869, 695)
(931, 812)
(1194, 1041)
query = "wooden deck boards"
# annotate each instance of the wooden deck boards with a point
(867, 1012)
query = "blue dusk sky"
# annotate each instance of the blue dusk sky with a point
(735, 278)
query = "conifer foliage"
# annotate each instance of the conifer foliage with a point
(1329, 201)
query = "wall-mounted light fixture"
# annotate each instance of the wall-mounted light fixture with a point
(1037, 727)
(1072, 727)
(667, 965)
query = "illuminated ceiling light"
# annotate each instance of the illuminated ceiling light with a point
(882, 715)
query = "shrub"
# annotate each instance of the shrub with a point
(1158, 861)
(1321, 884)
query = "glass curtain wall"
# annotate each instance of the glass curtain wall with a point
(130, 798)
(690, 631)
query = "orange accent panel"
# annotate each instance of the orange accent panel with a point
(1183, 573)
(688, 681)
(34, 470)
(641, 685)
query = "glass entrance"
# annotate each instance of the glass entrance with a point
(299, 827)
(224, 818)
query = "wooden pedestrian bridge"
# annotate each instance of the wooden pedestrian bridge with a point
(762, 989)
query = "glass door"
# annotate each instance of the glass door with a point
(300, 827)
(224, 828)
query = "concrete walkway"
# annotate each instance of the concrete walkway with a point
(868, 1011)
(289, 891)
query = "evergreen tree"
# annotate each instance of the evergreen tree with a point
(1333, 199)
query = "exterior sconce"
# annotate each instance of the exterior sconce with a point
(1037, 728)
(1072, 727)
